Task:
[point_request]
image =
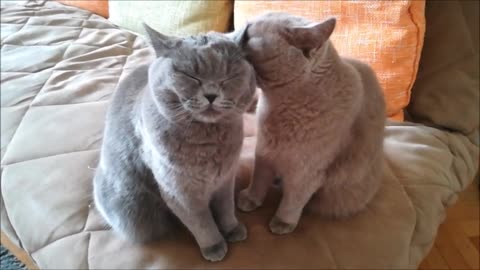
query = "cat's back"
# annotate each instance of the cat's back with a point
(371, 117)
(128, 90)
(119, 136)
(371, 86)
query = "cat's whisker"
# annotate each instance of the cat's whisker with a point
(176, 108)
(227, 102)
(177, 112)
(182, 116)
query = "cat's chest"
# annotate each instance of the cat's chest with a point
(289, 122)
(201, 151)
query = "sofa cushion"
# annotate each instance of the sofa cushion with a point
(446, 93)
(180, 18)
(386, 34)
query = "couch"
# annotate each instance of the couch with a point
(59, 67)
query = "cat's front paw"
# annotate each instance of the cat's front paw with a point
(216, 252)
(277, 226)
(239, 233)
(244, 202)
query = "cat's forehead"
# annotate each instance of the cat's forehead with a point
(209, 42)
(205, 54)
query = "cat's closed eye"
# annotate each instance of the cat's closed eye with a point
(188, 76)
(228, 80)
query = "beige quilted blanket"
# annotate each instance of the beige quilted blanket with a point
(59, 67)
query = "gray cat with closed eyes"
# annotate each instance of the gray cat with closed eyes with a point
(172, 143)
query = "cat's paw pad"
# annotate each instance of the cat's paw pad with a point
(277, 226)
(244, 202)
(216, 252)
(239, 233)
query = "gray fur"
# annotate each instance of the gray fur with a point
(167, 152)
(321, 122)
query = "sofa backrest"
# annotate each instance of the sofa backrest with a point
(446, 92)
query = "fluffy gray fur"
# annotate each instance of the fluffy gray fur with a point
(172, 142)
(321, 122)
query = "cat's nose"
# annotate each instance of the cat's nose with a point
(210, 97)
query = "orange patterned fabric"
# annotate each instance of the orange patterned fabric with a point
(99, 7)
(386, 34)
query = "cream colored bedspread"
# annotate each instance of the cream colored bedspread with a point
(59, 67)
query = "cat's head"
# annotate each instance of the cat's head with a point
(204, 77)
(281, 45)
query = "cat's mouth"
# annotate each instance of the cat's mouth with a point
(210, 111)
(209, 115)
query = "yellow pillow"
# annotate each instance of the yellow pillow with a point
(179, 18)
(386, 34)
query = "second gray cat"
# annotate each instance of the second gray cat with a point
(321, 121)
(172, 143)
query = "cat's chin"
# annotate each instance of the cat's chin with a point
(210, 115)
(208, 119)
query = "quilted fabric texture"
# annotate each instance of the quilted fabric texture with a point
(180, 18)
(386, 34)
(59, 67)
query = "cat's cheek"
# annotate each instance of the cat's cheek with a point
(244, 101)
(185, 91)
(247, 97)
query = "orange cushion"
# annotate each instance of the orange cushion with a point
(99, 7)
(386, 34)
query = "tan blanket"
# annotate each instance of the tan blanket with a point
(59, 67)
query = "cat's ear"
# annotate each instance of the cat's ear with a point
(311, 36)
(239, 36)
(161, 43)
